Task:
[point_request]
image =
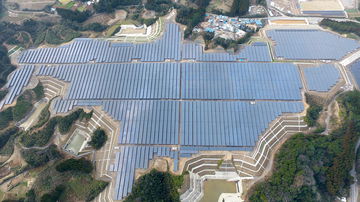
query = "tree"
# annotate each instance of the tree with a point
(239, 8)
(155, 186)
(81, 165)
(98, 139)
(73, 15)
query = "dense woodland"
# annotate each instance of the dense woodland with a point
(98, 139)
(156, 186)
(342, 27)
(313, 167)
(239, 7)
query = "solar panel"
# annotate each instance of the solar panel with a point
(298, 44)
(321, 78)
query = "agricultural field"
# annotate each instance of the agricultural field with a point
(35, 5)
(220, 5)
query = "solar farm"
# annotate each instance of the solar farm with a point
(171, 99)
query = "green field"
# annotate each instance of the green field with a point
(69, 5)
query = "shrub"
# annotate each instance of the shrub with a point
(5, 136)
(73, 15)
(41, 137)
(312, 114)
(156, 186)
(66, 122)
(39, 157)
(81, 165)
(6, 117)
(98, 139)
(54, 195)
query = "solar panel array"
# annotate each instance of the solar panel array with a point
(198, 123)
(189, 106)
(132, 157)
(256, 52)
(229, 123)
(19, 79)
(326, 13)
(278, 81)
(310, 44)
(115, 81)
(321, 78)
(86, 50)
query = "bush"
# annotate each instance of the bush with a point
(21, 109)
(39, 91)
(40, 137)
(149, 22)
(315, 167)
(239, 8)
(54, 195)
(155, 186)
(81, 165)
(5, 136)
(5, 64)
(66, 122)
(3, 93)
(159, 6)
(95, 27)
(343, 27)
(38, 157)
(76, 15)
(98, 139)
(108, 6)
(6, 117)
(312, 115)
(43, 117)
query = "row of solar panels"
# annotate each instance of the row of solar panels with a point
(325, 13)
(256, 52)
(272, 81)
(199, 123)
(132, 157)
(321, 78)
(310, 44)
(86, 50)
(167, 47)
(19, 79)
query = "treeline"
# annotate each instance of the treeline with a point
(156, 186)
(313, 112)
(41, 136)
(229, 43)
(315, 167)
(98, 139)
(161, 7)
(23, 106)
(239, 8)
(109, 6)
(79, 165)
(5, 64)
(32, 33)
(39, 157)
(76, 15)
(342, 27)
(191, 16)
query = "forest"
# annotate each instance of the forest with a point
(341, 27)
(314, 167)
